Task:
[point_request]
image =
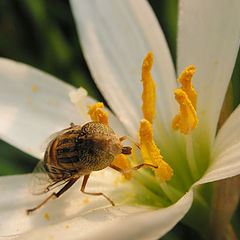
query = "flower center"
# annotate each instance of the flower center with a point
(147, 181)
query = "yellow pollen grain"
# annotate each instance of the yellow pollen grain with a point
(46, 216)
(149, 89)
(186, 80)
(35, 88)
(203, 112)
(187, 118)
(119, 179)
(29, 150)
(97, 114)
(151, 153)
(67, 226)
(86, 200)
(29, 100)
(122, 161)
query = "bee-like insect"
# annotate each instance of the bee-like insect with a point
(77, 151)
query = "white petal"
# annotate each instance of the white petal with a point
(33, 105)
(225, 164)
(71, 206)
(71, 218)
(116, 36)
(151, 225)
(226, 150)
(229, 134)
(208, 37)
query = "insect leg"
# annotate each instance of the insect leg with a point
(131, 169)
(54, 195)
(85, 179)
(129, 138)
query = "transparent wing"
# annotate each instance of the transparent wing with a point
(40, 181)
(51, 138)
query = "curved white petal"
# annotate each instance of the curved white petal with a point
(208, 37)
(225, 164)
(151, 225)
(229, 134)
(226, 150)
(33, 105)
(116, 36)
(71, 218)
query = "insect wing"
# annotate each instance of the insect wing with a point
(39, 180)
(51, 138)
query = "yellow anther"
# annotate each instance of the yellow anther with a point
(97, 114)
(149, 89)
(186, 80)
(151, 153)
(133, 154)
(187, 118)
(122, 161)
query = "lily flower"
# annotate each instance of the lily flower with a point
(115, 37)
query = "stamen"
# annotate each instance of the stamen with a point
(151, 154)
(149, 89)
(187, 118)
(122, 161)
(186, 80)
(97, 114)
(133, 154)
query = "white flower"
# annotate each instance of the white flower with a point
(115, 36)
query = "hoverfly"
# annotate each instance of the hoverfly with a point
(77, 151)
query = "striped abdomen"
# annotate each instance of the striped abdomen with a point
(61, 156)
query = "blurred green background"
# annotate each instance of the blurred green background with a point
(42, 34)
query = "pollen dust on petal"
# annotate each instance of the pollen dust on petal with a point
(46, 216)
(34, 88)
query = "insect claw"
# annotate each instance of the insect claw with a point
(127, 150)
(29, 211)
